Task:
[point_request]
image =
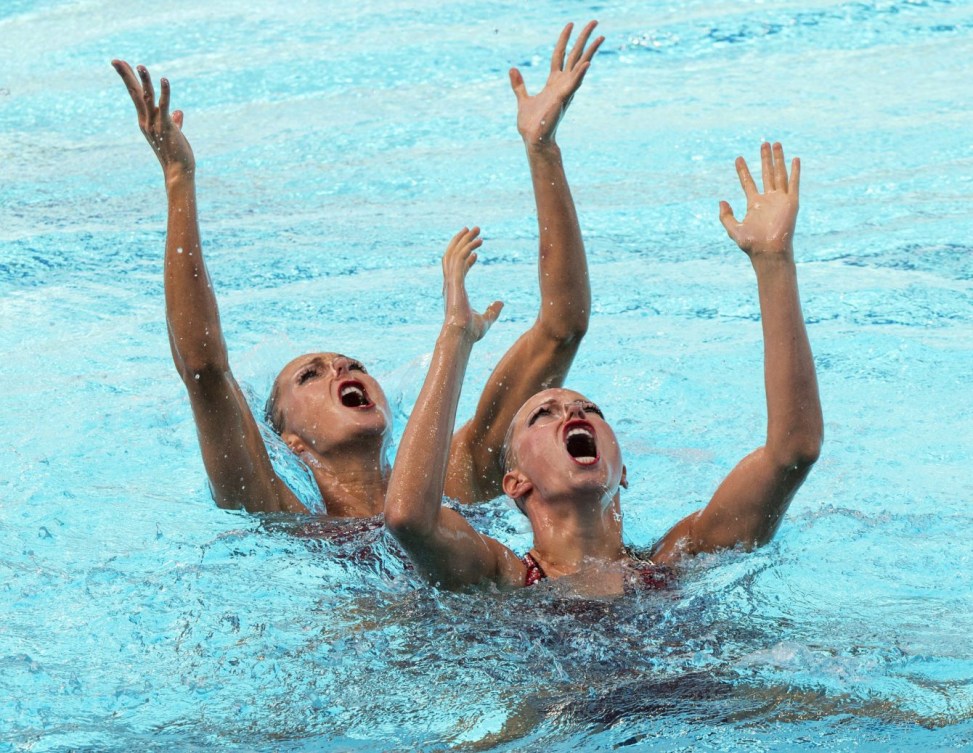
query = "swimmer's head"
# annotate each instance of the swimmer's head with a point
(326, 401)
(560, 446)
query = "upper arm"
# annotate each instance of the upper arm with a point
(745, 510)
(454, 555)
(234, 453)
(535, 362)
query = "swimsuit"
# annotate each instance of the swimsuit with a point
(648, 575)
(535, 572)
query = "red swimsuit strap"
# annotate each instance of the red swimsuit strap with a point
(534, 572)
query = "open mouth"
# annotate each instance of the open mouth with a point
(579, 440)
(353, 395)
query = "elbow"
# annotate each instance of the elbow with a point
(402, 522)
(799, 451)
(566, 329)
(201, 372)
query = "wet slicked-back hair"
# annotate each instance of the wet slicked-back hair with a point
(508, 459)
(506, 453)
(273, 415)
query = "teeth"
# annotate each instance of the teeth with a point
(587, 460)
(352, 390)
(579, 430)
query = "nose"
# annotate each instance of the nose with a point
(340, 365)
(575, 409)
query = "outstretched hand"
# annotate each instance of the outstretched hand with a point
(768, 226)
(460, 256)
(539, 115)
(162, 130)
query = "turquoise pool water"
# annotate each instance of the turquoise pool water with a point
(338, 150)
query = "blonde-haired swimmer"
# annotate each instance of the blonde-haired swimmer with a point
(325, 406)
(563, 464)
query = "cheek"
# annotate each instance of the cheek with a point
(529, 454)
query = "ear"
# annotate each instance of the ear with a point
(293, 441)
(516, 485)
(624, 482)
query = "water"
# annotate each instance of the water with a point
(338, 150)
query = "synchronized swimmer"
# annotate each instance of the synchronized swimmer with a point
(562, 463)
(325, 406)
(547, 448)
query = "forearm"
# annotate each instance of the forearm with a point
(563, 269)
(415, 492)
(794, 421)
(191, 310)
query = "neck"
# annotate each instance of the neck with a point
(569, 535)
(351, 485)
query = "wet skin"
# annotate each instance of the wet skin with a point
(564, 467)
(345, 445)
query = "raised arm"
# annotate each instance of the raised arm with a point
(445, 548)
(234, 454)
(748, 506)
(542, 356)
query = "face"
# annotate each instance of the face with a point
(561, 446)
(327, 401)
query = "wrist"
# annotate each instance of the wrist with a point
(179, 176)
(456, 335)
(543, 148)
(779, 258)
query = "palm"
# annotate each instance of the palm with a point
(768, 226)
(538, 116)
(459, 258)
(162, 130)
(771, 217)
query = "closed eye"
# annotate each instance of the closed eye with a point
(357, 366)
(592, 408)
(542, 411)
(307, 374)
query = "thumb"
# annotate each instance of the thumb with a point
(491, 314)
(177, 118)
(728, 220)
(517, 84)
